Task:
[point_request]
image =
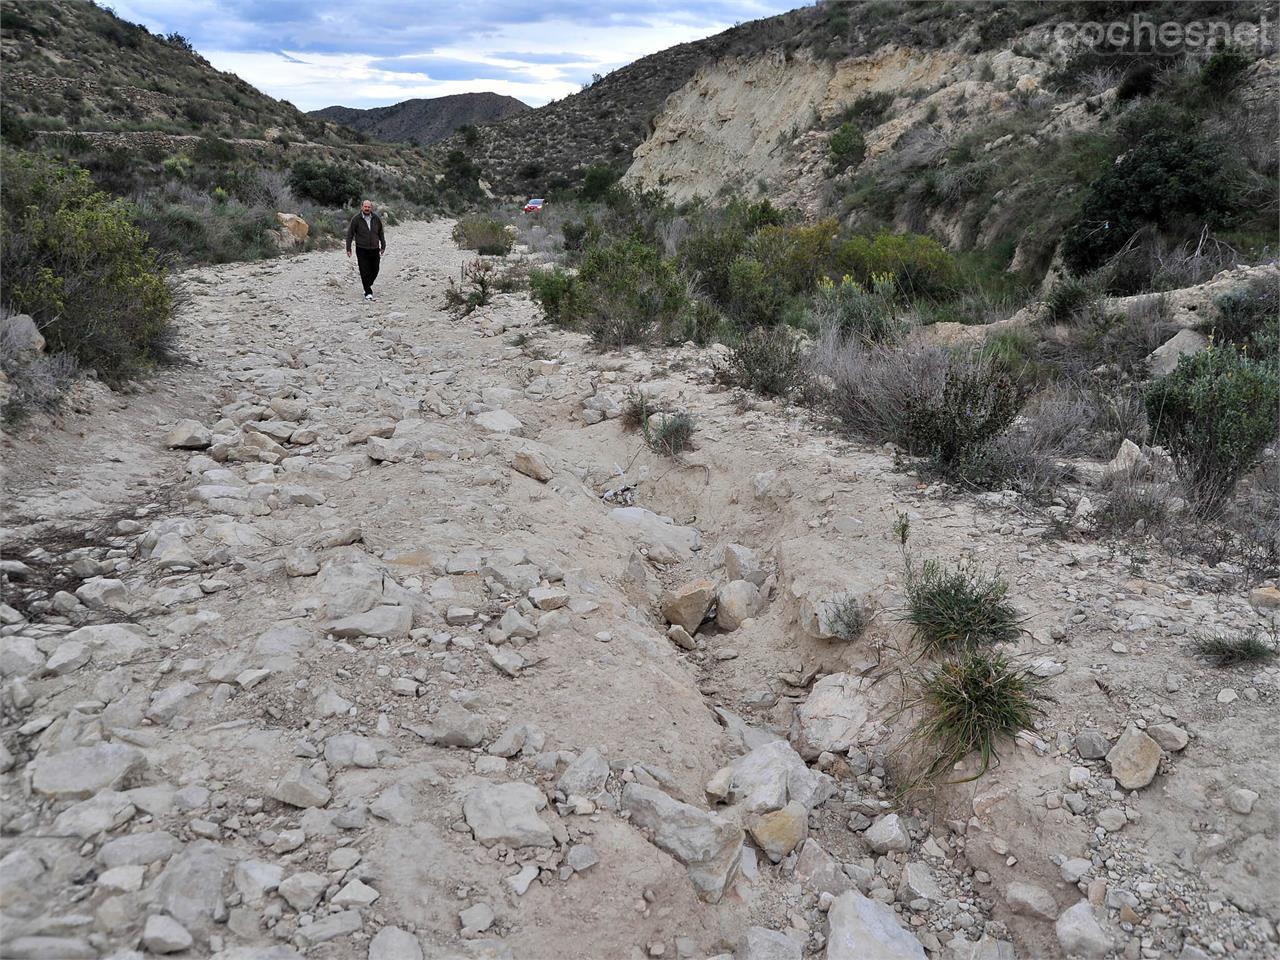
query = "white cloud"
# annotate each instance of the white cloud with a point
(346, 74)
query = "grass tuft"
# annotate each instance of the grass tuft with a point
(958, 607)
(1232, 649)
(672, 435)
(971, 703)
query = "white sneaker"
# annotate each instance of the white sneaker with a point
(368, 296)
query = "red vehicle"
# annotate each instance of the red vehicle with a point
(533, 206)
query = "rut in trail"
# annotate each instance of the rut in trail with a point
(376, 657)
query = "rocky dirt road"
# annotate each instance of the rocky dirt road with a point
(373, 633)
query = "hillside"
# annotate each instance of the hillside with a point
(970, 122)
(208, 159)
(424, 121)
(550, 146)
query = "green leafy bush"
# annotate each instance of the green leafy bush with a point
(717, 238)
(869, 314)
(1215, 413)
(969, 705)
(631, 295)
(755, 298)
(597, 180)
(766, 361)
(478, 277)
(920, 265)
(1224, 70)
(846, 148)
(483, 234)
(974, 404)
(1249, 318)
(1168, 174)
(330, 184)
(558, 294)
(76, 261)
(1072, 299)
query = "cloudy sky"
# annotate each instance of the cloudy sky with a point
(364, 53)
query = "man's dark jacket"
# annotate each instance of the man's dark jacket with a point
(366, 237)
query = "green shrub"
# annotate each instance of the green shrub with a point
(1215, 413)
(213, 233)
(1231, 649)
(631, 295)
(1224, 70)
(969, 705)
(974, 404)
(958, 607)
(846, 148)
(869, 108)
(213, 150)
(869, 315)
(574, 233)
(755, 298)
(1167, 175)
(794, 257)
(329, 184)
(483, 234)
(1072, 299)
(920, 265)
(597, 180)
(557, 293)
(717, 239)
(76, 261)
(1249, 318)
(766, 361)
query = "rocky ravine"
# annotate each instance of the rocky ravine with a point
(372, 634)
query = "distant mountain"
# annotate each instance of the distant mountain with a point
(424, 121)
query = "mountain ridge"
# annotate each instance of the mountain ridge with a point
(423, 120)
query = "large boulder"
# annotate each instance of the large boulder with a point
(190, 887)
(1080, 934)
(769, 777)
(1163, 360)
(864, 929)
(507, 813)
(737, 601)
(662, 538)
(22, 336)
(687, 604)
(1134, 759)
(834, 718)
(709, 845)
(294, 225)
(83, 771)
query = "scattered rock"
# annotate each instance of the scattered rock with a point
(861, 928)
(163, 935)
(507, 813)
(708, 845)
(686, 606)
(1030, 900)
(1080, 934)
(1134, 759)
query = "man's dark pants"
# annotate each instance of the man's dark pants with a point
(369, 260)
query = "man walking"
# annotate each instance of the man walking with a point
(365, 229)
